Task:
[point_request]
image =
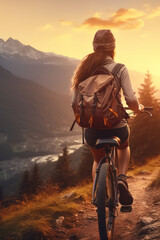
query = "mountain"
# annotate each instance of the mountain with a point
(29, 108)
(13, 48)
(48, 69)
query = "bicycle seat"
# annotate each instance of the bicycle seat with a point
(101, 143)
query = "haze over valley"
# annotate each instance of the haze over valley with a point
(35, 106)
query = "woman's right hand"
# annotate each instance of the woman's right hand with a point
(141, 107)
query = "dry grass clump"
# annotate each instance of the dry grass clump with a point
(37, 217)
(149, 167)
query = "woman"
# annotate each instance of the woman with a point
(103, 55)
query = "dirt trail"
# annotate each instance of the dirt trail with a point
(125, 226)
(126, 222)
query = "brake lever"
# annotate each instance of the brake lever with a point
(144, 111)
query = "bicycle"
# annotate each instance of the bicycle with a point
(105, 187)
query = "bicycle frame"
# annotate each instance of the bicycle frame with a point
(105, 187)
(111, 158)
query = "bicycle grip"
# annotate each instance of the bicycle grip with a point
(148, 108)
(145, 108)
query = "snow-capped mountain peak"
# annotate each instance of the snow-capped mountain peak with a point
(11, 47)
(12, 42)
(1, 41)
(14, 49)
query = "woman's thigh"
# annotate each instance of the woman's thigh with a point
(98, 154)
(91, 136)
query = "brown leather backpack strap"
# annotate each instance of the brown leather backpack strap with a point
(115, 71)
(71, 128)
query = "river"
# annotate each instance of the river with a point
(10, 168)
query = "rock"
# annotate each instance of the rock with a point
(92, 218)
(144, 172)
(130, 177)
(146, 238)
(59, 221)
(145, 221)
(81, 211)
(153, 211)
(73, 237)
(148, 229)
(69, 195)
(152, 237)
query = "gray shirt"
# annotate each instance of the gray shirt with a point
(124, 84)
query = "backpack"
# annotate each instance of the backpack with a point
(96, 104)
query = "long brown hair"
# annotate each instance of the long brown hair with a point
(89, 64)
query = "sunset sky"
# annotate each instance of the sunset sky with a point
(67, 27)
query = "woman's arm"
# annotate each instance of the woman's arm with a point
(128, 92)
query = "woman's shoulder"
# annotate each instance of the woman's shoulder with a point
(123, 70)
(110, 65)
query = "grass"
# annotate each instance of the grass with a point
(40, 214)
(149, 167)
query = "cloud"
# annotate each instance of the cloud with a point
(46, 27)
(97, 15)
(123, 18)
(147, 7)
(65, 22)
(154, 13)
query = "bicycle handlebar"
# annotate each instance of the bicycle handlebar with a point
(145, 110)
(148, 108)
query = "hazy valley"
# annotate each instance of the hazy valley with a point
(35, 107)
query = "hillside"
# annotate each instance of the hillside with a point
(69, 215)
(27, 107)
(48, 69)
(10, 184)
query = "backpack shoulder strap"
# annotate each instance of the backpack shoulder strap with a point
(71, 128)
(116, 69)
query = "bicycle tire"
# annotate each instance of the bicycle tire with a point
(105, 203)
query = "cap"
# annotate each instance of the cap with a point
(104, 38)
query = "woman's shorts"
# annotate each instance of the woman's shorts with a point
(91, 135)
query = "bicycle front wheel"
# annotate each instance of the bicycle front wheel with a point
(105, 203)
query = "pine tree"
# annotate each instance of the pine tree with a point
(1, 193)
(63, 173)
(147, 91)
(35, 180)
(144, 129)
(85, 168)
(24, 188)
